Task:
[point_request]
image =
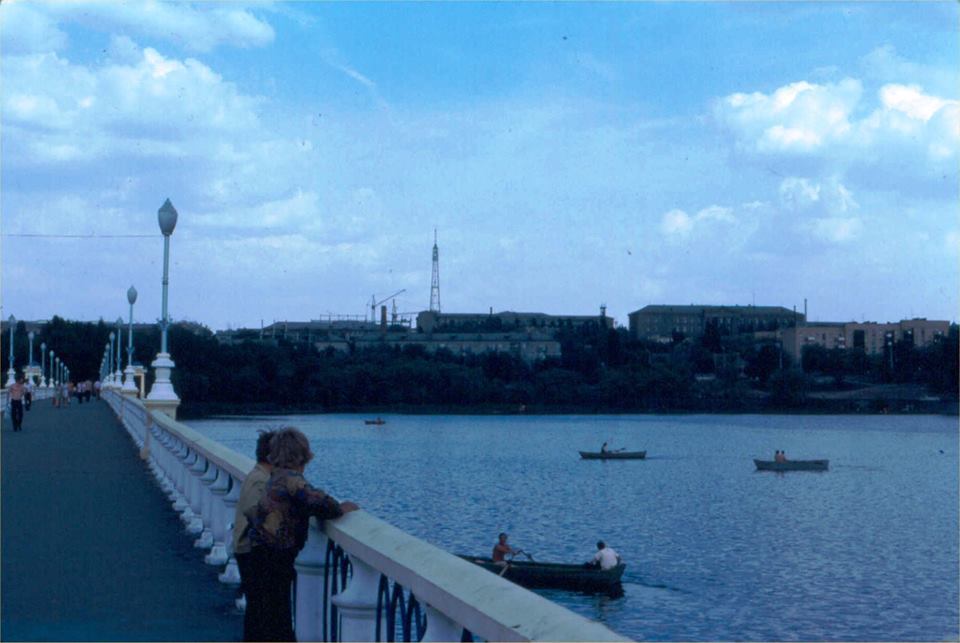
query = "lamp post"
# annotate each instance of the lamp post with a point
(11, 374)
(30, 356)
(110, 359)
(50, 380)
(119, 356)
(129, 386)
(162, 396)
(57, 371)
(43, 364)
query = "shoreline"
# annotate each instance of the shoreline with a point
(206, 410)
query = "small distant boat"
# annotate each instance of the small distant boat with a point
(613, 455)
(376, 422)
(792, 465)
(554, 575)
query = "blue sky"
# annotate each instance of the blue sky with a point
(569, 154)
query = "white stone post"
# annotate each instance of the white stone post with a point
(358, 603)
(195, 523)
(231, 574)
(219, 491)
(188, 458)
(310, 567)
(205, 541)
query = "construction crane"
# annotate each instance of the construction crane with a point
(374, 303)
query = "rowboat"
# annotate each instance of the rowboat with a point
(613, 455)
(536, 575)
(377, 422)
(792, 465)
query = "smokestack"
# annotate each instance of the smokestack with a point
(383, 318)
(804, 309)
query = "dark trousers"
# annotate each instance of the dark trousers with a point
(269, 615)
(16, 414)
(27, 400)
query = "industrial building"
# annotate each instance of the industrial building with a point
(661, 322)
(871, 337)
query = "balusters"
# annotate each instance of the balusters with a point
(358, 603)
(194, 488)
(231, 574)
(222, 515)
(205, 541)
(310, 597)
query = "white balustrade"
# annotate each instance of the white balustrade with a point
(205, 541)
(454, 595)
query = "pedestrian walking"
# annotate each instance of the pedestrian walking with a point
(17, 391)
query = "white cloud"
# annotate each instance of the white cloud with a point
(24, 28)
(680, 224)
(33, 26)
(835, 229)
(154, 105)
(798, 193)
(800, 117)
(676, 222)
(804, 118)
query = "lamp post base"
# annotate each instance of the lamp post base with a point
(129, 386)
(162, 397)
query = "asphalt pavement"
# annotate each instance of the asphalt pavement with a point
(91, 548)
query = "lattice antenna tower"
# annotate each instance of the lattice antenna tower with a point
(435, 279)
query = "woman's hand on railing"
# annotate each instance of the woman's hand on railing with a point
(347, 506)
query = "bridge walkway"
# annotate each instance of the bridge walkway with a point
(90, 548)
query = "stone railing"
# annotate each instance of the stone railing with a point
(359, 578)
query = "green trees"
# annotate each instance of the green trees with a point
(600, 369)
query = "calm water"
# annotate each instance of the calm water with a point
(715, 550)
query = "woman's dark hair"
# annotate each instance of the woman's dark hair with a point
(263, 445)
(289, 449)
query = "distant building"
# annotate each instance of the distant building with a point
(661, 322)
(529, 347)
(872, 337)
(431, 321)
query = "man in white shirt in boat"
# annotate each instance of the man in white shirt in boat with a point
(605, 558)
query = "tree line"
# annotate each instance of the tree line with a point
(599, 370)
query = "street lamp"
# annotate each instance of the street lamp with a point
(162, 393)
(119, 358)
(57, 368)
(50, 380)
(43, 364)
(30, 337)
(129, 386)
(11, 374)
(110, 359)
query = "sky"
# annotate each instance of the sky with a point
(568, 155)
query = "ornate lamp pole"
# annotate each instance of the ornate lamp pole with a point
(119, 357)
(57, 361)
(30, 360)
(162, 396)
(11, 374)
(43, 364)
(110, 359)
(51, 381)
(129, 386)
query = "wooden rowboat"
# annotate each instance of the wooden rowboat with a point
(792, 465)
(536, 575)
(613, 455)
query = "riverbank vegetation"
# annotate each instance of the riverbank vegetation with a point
(600, 370)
